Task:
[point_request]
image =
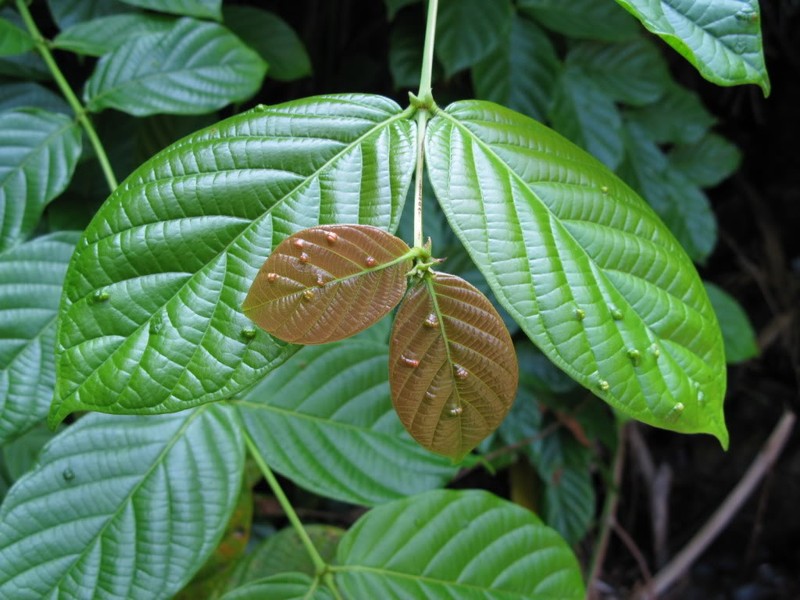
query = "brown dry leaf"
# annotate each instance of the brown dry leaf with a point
(452, 366)
(327, 283)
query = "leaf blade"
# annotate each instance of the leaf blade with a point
(554, 252)
(121, 318)
(138, 465)
(307, 288)
(464, 544)
(452, 367)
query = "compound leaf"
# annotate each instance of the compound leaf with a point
(194, 68)
(324, 284)
(31, 276)
(722, 39)
(455, 544)
(83, 522)
(325, 420)
(38, 154)
(452, 367)
(585, 267)
(152, 321)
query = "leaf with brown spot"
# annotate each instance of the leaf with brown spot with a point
(327, 283)
(452, 367)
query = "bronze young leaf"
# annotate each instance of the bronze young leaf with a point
(452, 367)
(327, 283)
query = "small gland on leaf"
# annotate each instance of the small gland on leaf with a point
(603, 385)
(308, 295)
(604, 189)
(409, 362)
(303, 258)
(299, 243)
(635, 357)
(248, 333)
(331, 237)
(431, 321)
(101, 296)
(456, 411)
(676, 411)
(701, 397)
(655, 350)
(320, 281)
(616, 313)
(580, 314)
(272, 277)
(370, 261)
(460, 372)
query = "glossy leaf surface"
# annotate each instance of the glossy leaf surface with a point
(452, 367)
(722, 39)
(678, 117)
(27, 94)
(737, 331)
(324, 284)
(708, 162)
(152, 319)
(272, 38)
(38, 154)
(104, 34)
(209, 9)
(69, 12)
(455, 544)
(521, 73)
(13, 40)
(31, 276)
(194, 68)
(583, 264)
(325, 420)
(121, 507)
(468, 30)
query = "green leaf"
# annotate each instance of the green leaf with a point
(27, 94)
(682, 205)
(569, 251)
(284, 551)
(151, 321)
(67, 13)
(13, 40)
(737, 331)
(27, 65)
(678, 117)
(468, 30)
(585, 114)
(721, 39)
(406, 41)
(633, 72)
(272, 38)
(210, 9)
(94, 492)
(325, 420)
(194, 68)
(325, 284)
(452, 367)
(38, 154)
(568, 504)
(20, 455)
(708, 162)
(286, 586)
(31, 276)
(587, 19)
(455, 544)
(104, 34)
(521, 73)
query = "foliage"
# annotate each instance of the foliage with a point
(295, 203)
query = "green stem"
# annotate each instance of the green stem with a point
(424, 102)
(424, 93)
(66, 90)
(319, 563)
(422, 122)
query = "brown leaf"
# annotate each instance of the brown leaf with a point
(327, 283)
(452, 367)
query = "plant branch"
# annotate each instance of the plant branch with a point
(69, 95)
(422, 121)
(319, 563)
(609, 511)
(726, 511)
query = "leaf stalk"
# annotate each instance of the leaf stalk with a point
(78, 108)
